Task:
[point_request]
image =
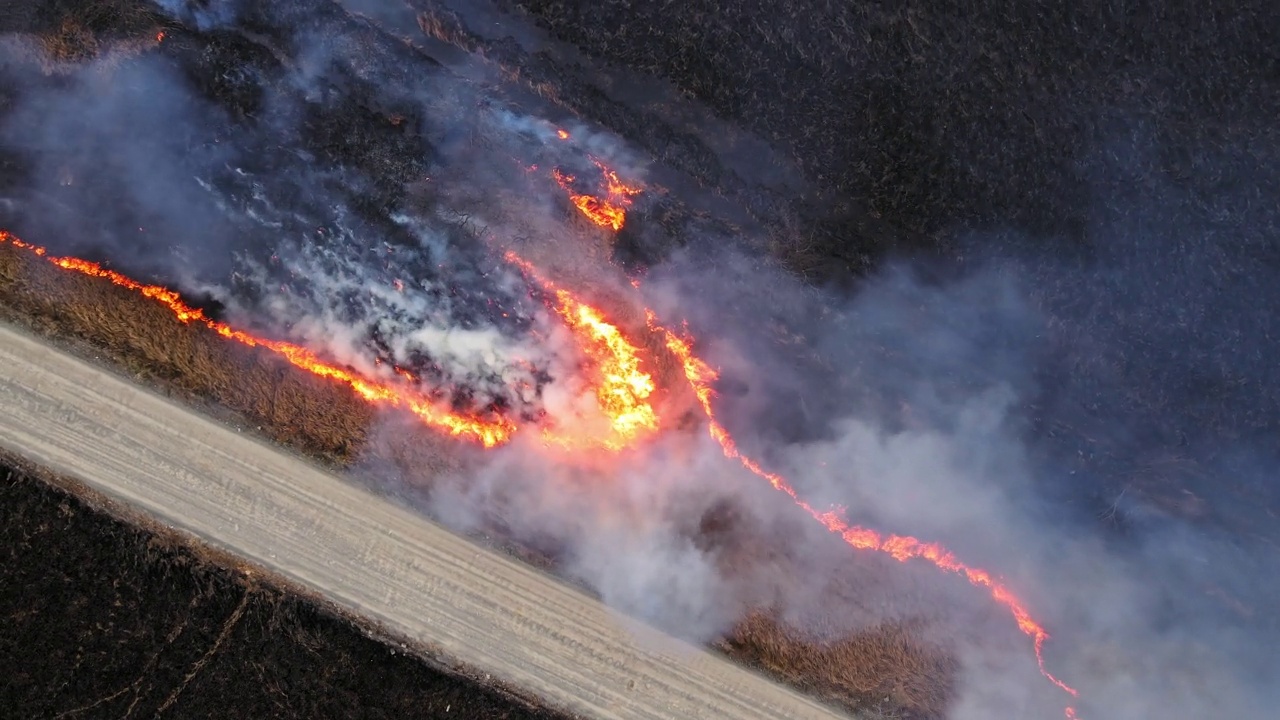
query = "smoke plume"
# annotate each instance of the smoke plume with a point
(1094, 422)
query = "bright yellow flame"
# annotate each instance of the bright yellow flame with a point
(608, 212)
(623, 387)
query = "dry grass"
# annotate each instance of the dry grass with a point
(885, 671)
(75, 30)
(882, 669)
(288, 405)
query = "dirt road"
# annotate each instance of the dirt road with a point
(432, 588)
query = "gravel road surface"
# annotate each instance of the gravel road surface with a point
(434, 590)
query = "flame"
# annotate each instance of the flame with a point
(615, 186)
(562, 134)
(609, 212)
(488, 432)
(623, 388)
(622, 394)
(902, 548)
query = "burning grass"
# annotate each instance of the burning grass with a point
(886, 671)
(883, 669)
(144, 339)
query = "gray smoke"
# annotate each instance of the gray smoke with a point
(1094, 424)
(202, 14)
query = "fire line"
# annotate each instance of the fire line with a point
(623, 387)
(488, 432)
(902, 548)
(609, 212)
(622, 393)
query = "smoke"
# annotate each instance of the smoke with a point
(1095, 423)
(1098, 424)
(202, 14)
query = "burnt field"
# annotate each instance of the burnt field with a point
(985, 276)
(105, 618)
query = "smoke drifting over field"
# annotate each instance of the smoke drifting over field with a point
(1093, 422)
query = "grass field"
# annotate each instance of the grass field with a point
(965, 118)
(885, 670)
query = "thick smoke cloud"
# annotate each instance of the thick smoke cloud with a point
(1095, 423)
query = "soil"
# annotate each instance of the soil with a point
(976, 117)
(105, 618)
(884, 670)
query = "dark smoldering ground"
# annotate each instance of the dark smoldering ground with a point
(1073, 205)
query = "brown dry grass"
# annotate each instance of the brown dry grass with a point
(144, 339)
(75, 30)
(884, 670)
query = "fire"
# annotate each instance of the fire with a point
(616, 187)
(609, 212)
(902, 548)
(623, 388)
(488, 432)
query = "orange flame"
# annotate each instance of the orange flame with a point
(900, 547)
(622, 395)
(488, 432)
(610, 212)
(624, 388)
(616, 187)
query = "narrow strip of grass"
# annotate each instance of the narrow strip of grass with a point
(882, 670)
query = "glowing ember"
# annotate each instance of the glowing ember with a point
(623, 388)
(609, 212)
(899, 547)
(488, 432)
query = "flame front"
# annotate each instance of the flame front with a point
(623, 390)
(609, 212)
(488, 432)
(902, 548)
(623, 387)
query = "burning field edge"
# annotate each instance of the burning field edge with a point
(881, 672)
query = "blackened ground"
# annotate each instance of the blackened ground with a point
(1135, 141)
(937, 114)
(103, 619)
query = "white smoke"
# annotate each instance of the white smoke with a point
(926, 407)
(203, 14)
